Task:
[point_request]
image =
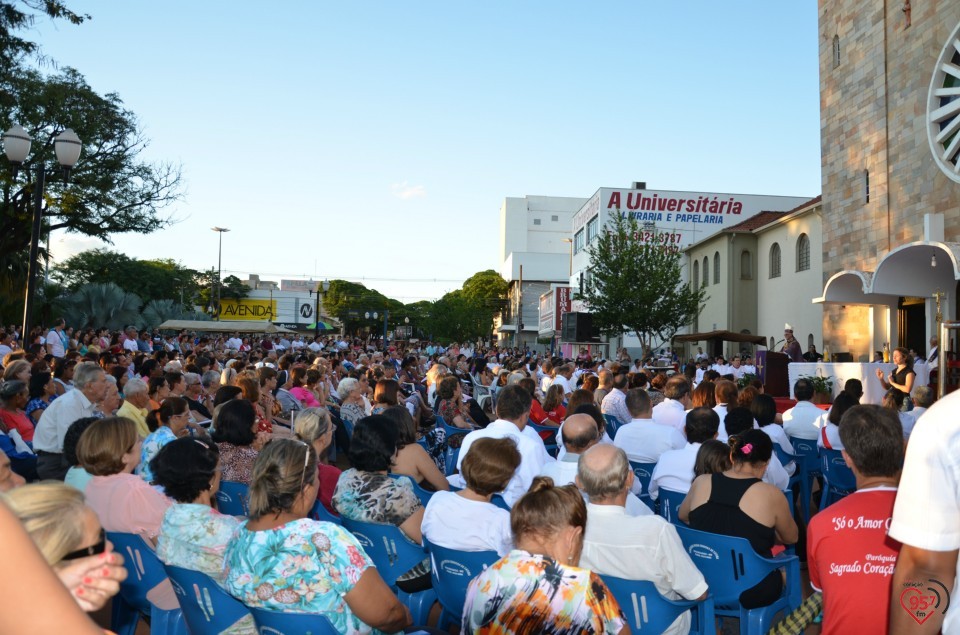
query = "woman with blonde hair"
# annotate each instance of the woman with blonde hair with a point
(19, 370)
(316, 427)
(281, 560)
(539, 587)
(68, 534)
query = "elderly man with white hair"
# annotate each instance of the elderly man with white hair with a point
(632, 547)
(136, 399)
(90, 385)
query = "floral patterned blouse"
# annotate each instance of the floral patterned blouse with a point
(236, 461)
(526, 593)
(304, 566)
(151, 447)
(352, 413)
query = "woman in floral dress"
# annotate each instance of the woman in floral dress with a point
(281, 560)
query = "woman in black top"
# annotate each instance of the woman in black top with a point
(901, 378)
(737, 503)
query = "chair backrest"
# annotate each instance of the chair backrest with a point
(612, 424)
(807, 450)
(233, 498)
(392, 553)
(729, 564)
(548, 433)
(647, 610)
(319, 512)
(643, 471)
(452, 572)
(206, 607)
(835, 471)
(144, 569)
(423, 494)
(499, 501)
(450, 430)
(669, 504)
(280, 623)
(782, 455)
(450, 457)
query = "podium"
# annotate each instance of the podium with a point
(772, 371)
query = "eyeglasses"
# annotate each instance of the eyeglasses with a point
(92, 550)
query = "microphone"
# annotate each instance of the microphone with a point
(779, 343)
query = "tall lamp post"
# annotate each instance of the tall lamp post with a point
(221, 231)
(16, 145)
(323, 287)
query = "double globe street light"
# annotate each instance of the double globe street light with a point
(16, 145)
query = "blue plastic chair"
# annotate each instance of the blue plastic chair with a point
(552, 441)
(450, 430)
(452, 572)
(319, 512)
(612, 425)
(669, 505)
(280, 623)
(394, 554)
(144, 572)
(233, 499)
(450, 457)
(206, 607)
(643, 472)
(730, 567)
(423, 494)
(649, 612)
(499, 501)
(808, 463)
(838, 479)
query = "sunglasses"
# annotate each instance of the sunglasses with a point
(92, 550)
(306, 461)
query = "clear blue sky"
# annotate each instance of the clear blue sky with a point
(378, 140)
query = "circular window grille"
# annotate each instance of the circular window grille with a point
(943, 108)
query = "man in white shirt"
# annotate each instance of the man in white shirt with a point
(643, 439)
(721, 366)
(926, 519)
(672, 411)
(748, 366)
(564, 373)
(801, 420)
(90, 386)
(615, 403)
(632, 548)
(700, 354)
(736, 369)
(738, 421)
(56, 339)
(130, 343)
(674, 470)
(513, 410)
(234, 343)
(923, 398)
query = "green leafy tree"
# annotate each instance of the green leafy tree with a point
(22, 16)
(156, 312)
(234, 288)
(637, 287)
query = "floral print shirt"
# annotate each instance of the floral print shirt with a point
(195, 537)
(304, 566)
(151, 447)
(524, 594)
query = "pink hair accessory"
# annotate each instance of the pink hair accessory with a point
(748, 448)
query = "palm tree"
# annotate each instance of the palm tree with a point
(103, 304)
(156, 312)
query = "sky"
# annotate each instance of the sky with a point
(376, 141)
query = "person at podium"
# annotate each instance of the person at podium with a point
(791, 347)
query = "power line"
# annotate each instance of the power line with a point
(347, 278)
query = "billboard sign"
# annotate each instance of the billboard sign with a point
(248, 309)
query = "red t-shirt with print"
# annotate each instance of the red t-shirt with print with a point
(851, 559)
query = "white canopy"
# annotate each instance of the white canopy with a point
(235, 326)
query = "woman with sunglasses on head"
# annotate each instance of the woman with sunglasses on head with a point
(281, 560)
(69, 536)
(316, 427)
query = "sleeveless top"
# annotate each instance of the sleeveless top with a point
(721, 514)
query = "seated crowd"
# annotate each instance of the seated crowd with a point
(535, 460)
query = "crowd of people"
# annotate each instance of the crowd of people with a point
(465, 447)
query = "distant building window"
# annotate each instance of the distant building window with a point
(836, 51)
(866, 186)
(696, 274)
(706, 271)
(578, 242)
(803, 253)
(746, 265)
(554, 218)
(536, 221)
(775, 261)
(716, 268)
(592, 226)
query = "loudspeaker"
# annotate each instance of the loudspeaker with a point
(577, 327)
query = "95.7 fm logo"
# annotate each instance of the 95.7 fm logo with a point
(923, 599)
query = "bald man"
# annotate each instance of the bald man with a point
(632, 548)
(579, 433)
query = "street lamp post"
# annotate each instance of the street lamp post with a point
(325, 286)
(221, 231)
(16, 145)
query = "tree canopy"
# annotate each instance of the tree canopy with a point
(637, 286)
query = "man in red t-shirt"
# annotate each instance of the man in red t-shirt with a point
(849, 555)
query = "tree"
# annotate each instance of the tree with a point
(22, 16)
(636, 286)
(111, 189)
(102, 305)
